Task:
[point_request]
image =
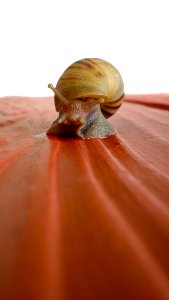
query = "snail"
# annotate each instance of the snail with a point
(87, 93)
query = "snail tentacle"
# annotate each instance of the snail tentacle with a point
(58, 95)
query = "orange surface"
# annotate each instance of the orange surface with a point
(84, 219)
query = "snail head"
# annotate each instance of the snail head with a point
(75, 111)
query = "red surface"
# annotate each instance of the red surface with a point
(84, 219)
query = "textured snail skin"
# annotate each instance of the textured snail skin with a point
(84, 120)
(88, 92)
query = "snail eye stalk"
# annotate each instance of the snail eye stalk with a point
(58, 95)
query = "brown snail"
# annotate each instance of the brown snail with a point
(87, 93)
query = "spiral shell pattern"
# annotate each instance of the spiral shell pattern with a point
(93, 78)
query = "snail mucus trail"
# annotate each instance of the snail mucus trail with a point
(83, 101)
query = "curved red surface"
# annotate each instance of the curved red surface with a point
(84, 219)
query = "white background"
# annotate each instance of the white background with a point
(39, 39)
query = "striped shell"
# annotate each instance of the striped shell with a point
(93, 78)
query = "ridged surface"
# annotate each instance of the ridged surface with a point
(84, 219)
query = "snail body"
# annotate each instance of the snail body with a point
(87, 93)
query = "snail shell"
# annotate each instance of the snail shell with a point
(88, 91)
(93, 78)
